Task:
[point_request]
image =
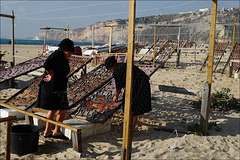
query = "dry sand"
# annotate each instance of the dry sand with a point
(169, 109)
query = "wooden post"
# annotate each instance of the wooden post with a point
(92, 36)
(230, 70)
(154, 48)
(76, 140)
(67, 30)
(129, 82)
(13, 54)
(13, 50)
(9, 131)
(29, 119)
(9, 139)
(178, 57)
(44, 42)
(234, 32)
(178, 50)
(204, 107)
(205, 113)
(110, 40)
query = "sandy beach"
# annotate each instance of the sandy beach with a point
(174, 110)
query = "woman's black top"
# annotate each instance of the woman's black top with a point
(53, 95)
(141, 95)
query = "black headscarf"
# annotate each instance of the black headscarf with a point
(66, 45)
(110, 62)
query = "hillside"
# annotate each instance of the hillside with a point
(198, 28)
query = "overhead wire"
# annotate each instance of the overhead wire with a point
(96, 15)
(59, 9)
(8, 3)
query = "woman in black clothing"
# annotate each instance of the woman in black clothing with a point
(53, 88)
(141, 95)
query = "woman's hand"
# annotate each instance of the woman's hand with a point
(47, 78)
(115, 99)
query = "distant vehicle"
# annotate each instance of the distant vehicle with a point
(104, 48)
(90, 52)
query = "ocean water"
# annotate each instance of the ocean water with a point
(41, 42)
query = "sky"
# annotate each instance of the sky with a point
(32, 15)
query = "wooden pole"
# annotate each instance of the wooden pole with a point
(122, 34)
(9, 131)
(178, 50)
(13, 49)
(205, 114)
(110, 40)
(154, 50)
(127, 128)
(13, 39)
(234, 32)
(92, 36)
(45, 38)
(67, 30)
(9, 138)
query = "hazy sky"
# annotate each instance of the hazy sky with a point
(32, 15)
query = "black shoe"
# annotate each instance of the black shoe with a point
(49, 136)
(61, 136)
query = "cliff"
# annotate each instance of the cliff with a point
(197, 27)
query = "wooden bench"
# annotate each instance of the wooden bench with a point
(76, 134)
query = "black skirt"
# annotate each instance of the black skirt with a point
(141, 98)
(51, 99)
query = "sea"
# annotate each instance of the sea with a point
(41, 42)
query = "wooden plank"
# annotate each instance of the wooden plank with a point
(10, 118)
(40, 117)
(7, 16)
(129, 82)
